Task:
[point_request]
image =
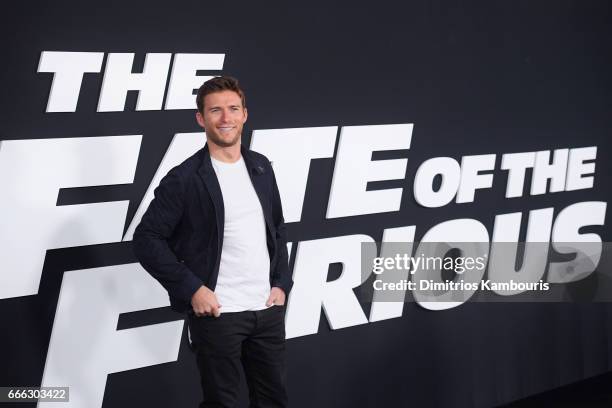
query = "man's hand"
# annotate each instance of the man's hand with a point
(277, 297)
(204, 302)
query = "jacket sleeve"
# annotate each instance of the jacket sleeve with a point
(151, 237)
(281, 276)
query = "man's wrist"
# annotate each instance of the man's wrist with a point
(198, 290)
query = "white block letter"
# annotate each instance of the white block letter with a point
(543, 171)
(290, 151)
(183, 80)
(467, 235)
(311, 289)
(31, 174)
(355, 168)
(424, 193)
(516, 164)
(118, 80)
(68, 69)
(566, 239)
(576, 168)
(505, 243)
(471, 180)
(85, 344)
(395, 238)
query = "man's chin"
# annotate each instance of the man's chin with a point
(224, 143)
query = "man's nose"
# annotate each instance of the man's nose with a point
(224, 115)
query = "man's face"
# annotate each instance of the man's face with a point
(223, 118)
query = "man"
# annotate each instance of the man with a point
(214, 237)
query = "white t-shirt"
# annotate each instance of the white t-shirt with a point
(244, 272)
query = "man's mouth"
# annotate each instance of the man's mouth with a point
(224, 129)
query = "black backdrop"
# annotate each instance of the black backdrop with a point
(474, 77)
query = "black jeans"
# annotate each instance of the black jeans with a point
(254, 340)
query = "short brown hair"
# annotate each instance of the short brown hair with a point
(218, 84)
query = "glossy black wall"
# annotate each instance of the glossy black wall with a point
(474, 77)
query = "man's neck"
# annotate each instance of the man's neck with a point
(229, 154)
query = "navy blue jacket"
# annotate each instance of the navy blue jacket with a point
(180, 236)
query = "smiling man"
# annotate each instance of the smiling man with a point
(214, 237)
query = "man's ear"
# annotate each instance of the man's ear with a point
(200, 119)
(246, 115)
